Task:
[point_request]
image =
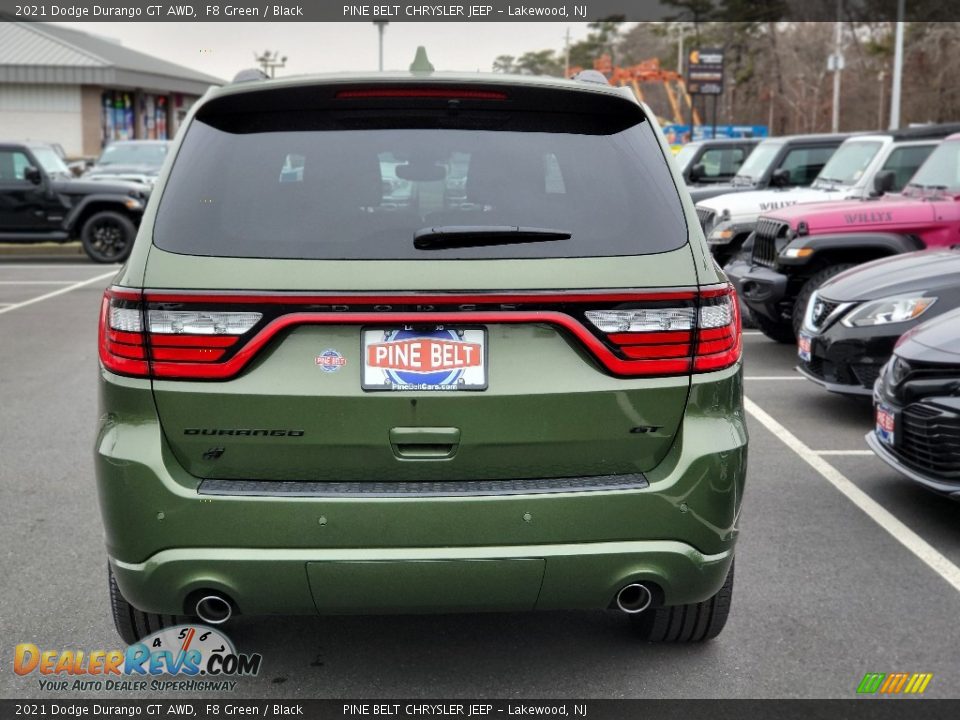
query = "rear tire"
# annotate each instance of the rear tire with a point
(696, 622)
(107, 237)
(815, 281)
(133, 625)
(781, 332)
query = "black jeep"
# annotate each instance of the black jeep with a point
(40, 201)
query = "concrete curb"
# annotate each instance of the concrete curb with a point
(32, 249)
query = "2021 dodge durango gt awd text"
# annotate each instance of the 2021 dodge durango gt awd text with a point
(421, 343)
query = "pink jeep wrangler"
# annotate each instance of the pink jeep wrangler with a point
(796, 249)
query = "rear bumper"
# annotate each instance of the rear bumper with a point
(402, 580)
(292, 554)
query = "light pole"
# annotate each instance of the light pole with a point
(880, 78)
(836, 64)
(897, 70)
(381, 26)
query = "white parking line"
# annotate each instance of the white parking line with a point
(54, 293)
(53, 266)
(36, 282)
(773, 377)
(842, 452)
(880, 515)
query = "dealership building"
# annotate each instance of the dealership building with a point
(82, 91)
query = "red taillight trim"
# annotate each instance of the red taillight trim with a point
(631, 355)
(656, 351)
(129, 338)
(186, 354)
(442, 93)
(202, 341)
(229, 368)
(651, 338)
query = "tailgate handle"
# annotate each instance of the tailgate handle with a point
(424, 443)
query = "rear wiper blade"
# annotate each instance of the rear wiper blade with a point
(463, 236)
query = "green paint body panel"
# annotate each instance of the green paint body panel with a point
(165, 540)
(549, 411)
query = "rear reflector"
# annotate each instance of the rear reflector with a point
(214, 336)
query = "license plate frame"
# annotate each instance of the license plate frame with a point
(409, 362)
(885, 419)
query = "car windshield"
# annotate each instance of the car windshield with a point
(686, 154)
(848, 163)
(757, 162)
(50, 161)
(308, 185)
(148, 154)
(941, 171)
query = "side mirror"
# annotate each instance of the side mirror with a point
(32, 175)
(884, 182)
(780, 178)
(697, 172)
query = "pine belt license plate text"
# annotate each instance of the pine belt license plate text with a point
(426, 358)
(886, 424)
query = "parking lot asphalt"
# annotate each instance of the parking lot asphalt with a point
(843, 566)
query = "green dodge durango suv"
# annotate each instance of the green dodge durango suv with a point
(420, 342)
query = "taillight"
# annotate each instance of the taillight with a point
(719, 334)
(174, 336)
(122, 348)
(213, 336)
(702, 334)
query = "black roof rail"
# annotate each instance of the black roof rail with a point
(249, 75)
(923, 132)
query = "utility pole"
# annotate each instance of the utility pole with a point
(897, 70)
(566, 52)
(680, 29)
(381, 26)
(269, 62)
(880, 78)
(836, 64)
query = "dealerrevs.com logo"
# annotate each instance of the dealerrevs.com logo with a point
(199, 658)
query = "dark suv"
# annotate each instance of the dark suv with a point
(40, 201)
(710, 162)
(509, 381)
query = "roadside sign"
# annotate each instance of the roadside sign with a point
(705, 71)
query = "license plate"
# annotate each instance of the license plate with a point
(430, 358)
(886, 424)
(803, 347)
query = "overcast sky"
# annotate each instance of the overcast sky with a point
(221, 49)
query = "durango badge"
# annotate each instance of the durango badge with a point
(330, 360)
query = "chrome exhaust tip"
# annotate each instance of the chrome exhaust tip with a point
(634, 598)
(213, 609)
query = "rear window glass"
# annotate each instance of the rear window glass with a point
(318, 185)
